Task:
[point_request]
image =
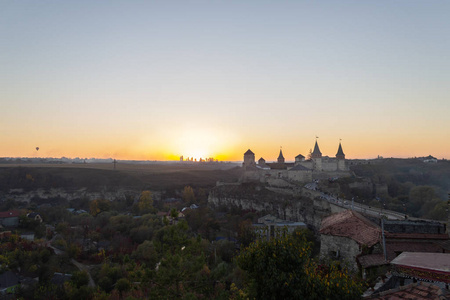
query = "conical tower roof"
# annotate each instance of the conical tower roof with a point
(340, 153)
(281, 157)
(316, 153)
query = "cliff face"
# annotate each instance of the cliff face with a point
(293, 205)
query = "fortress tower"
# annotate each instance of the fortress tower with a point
(261, 162)
(299, 158)
(280, 158)
(316, 157)
(340, 157)
(249, 159)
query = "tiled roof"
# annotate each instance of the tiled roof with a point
(393, 248)
(316, 150)
(340, 152)
(444, 244)
(352, 225)
(299, 156)
(438, 262)
(8, 279)
(427, 236)
(277, 166)
(300, 168)
(280, 156)
(9, 214)
(372, 260)
(414, 291)
(249, 152)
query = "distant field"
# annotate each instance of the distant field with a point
(100, 176)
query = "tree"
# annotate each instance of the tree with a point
(146, 253)
(123, 285)
(246, 233)
(282, 268)
(188, 194)
(80, 278)
(145, 202)
(422, 199)
(99, 205)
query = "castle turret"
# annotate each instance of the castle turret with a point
(316, 153)
(316, 157)
(340, 156)
(280, 158)
(261, 162)
(249, 159)
(299, 158)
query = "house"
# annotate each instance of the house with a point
(167, 215)
(8, 282)
(434, 267)
(10, 218)
(430, 159)
(414, 236)
(29, 236)
(35, 216)
(350, 237)
(270, 226)
(347, 235)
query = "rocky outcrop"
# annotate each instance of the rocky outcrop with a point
(293, 205)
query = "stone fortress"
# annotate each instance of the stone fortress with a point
(302, 170)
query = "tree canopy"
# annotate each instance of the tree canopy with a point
(282, 268)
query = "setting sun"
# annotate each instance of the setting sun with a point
(196, 143)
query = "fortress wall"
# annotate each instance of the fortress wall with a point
(301, 176)
(329, 166)
(286, 206)
(307, 164)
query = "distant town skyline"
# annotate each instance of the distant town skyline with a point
(154, 80)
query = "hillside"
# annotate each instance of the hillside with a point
(102, 176)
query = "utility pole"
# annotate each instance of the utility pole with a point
(384, 241)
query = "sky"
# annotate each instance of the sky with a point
(154, 80)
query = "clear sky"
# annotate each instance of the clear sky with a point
(159, 79)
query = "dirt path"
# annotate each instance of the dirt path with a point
(83, 267)
(79, 265)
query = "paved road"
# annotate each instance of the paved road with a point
(376, 212)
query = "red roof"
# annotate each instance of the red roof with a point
(414, 291)
(10, 214)
(394, 248)
(428, 236)
(371, 260)
(437, 262)
(352, 225)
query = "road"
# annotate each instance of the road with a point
(376, 212)
(77, 264)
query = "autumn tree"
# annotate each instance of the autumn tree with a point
(282, 268)
(145, 202)
(99, 205)
(188, 194)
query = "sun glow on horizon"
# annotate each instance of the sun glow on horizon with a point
(199, 143)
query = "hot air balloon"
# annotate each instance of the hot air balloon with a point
(37, 148)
